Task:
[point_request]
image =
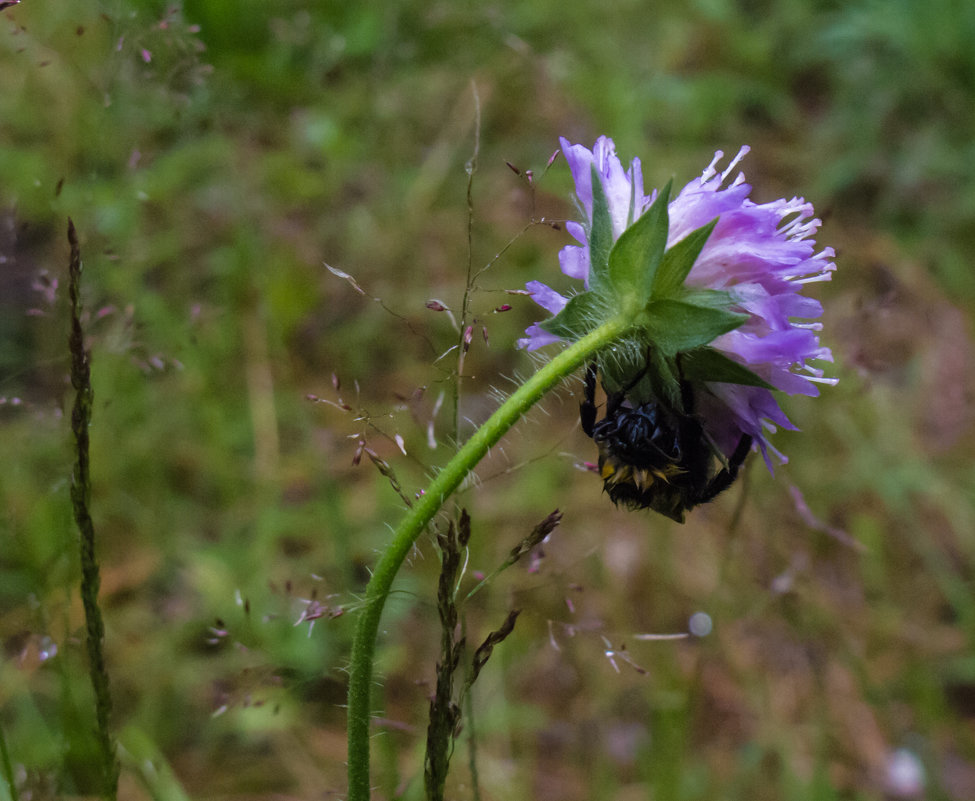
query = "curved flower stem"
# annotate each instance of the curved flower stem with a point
(416, 520)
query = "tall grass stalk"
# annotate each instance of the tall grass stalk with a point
(81, 500)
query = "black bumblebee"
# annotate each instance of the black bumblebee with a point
(655, 457)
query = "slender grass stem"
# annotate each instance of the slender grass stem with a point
(80, 500)
(419, 516)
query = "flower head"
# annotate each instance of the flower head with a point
(713, 284)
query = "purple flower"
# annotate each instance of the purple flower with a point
(760, 255)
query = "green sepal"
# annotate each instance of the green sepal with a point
(708, 364)
(678, 261)
(600, 233)
(637, 254)
(578, 317)
(664, 378)
(678, 325)
(652, 375)
(707, 298)
(621, 370)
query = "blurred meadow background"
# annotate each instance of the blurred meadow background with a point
(214, 154)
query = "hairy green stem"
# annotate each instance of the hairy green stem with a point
(418, 517)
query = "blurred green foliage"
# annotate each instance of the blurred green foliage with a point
(214, 154)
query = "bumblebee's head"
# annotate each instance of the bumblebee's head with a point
(656, 455)
(647, 459)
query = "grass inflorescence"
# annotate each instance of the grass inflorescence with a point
(81, 501)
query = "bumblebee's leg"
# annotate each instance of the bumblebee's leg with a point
(587, 409)
(726, 476)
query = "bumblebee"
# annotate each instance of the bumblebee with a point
(655, 457)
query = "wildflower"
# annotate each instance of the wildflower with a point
(712, 283)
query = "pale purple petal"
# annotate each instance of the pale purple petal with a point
(546, 297)
(536, 338)
(578, 232)
(574, 261)
(552, 302)
(616, 184)
(580, 161)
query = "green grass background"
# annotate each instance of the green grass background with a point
(214, 154)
